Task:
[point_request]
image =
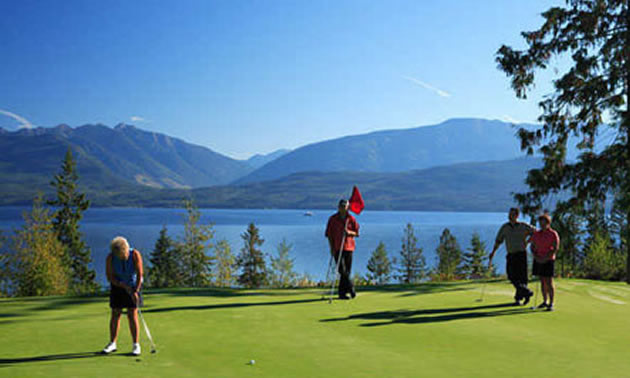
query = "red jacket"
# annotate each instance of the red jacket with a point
(335, 230)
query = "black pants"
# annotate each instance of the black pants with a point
(517, 274)
(119, 298)
(345, 266)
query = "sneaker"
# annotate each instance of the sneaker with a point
(542, 305)
(517, 302)
(111, 347)
(550, 307)
(136, 349)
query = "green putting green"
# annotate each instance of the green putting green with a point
(432, 330)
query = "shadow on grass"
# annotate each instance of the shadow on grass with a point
(10, 315)
(213, 292)
(28, 305)
(60, 303)
(435, 315)
(230, 305)
(58, 357)
(426, 287)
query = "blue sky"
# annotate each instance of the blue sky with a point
(246, 77)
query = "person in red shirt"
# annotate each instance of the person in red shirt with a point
(545, 243)
(343, 228)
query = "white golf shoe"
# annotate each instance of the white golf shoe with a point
(111, 347)
(136, 349)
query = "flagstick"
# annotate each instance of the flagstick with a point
(343, 241)
(329, 268)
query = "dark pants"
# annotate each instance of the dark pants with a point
(345, 266)
(119, 298)
(517, 274)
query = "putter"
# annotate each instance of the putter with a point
(144, 324)
(485, 282)
(334, 281)
(483, 291)
(330, 260)
(535, 299)
(146, 330)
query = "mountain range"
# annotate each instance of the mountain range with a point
(409, 168)
(451, 142)
(485, 186)
(122, 153)
(258, 160)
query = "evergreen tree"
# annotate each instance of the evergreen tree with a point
(618, 224)
(412, 266)
(164, 269)
(449, 256)
(601, 261)
(305, 280)
(5, 265)
(195, 249)
(596, 225)
(379, 266)
(38, 265)
(225, 261)
(568, 224)
(359, 280)
(251, 260)
(475, 266)
(596, 222)
(282, 274)
(70, 205)
(594, 89)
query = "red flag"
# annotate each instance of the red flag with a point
(356, 201)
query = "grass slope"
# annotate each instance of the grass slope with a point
(433, 330)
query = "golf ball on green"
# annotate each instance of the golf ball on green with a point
(252, 362)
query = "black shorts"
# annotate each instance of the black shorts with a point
(546, 269)
(119, 298)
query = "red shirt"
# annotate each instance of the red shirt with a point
(546, 243)
(335, 230)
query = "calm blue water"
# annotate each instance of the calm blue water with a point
(306, 234)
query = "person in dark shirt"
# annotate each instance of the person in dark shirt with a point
(516, 235)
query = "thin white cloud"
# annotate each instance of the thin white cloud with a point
(509, 119)
(24, 123)
(438, 91)
(138, 119)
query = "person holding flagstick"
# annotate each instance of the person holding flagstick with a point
(341, 231)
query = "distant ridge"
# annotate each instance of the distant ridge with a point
(485, 186)
(458, 165)
(259, 160)
(454, 141)
(124, 152)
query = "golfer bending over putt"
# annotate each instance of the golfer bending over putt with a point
(545, 244)
(124, 272)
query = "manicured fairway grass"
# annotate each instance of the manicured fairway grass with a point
(429, 330)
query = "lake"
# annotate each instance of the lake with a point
(306, 233)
